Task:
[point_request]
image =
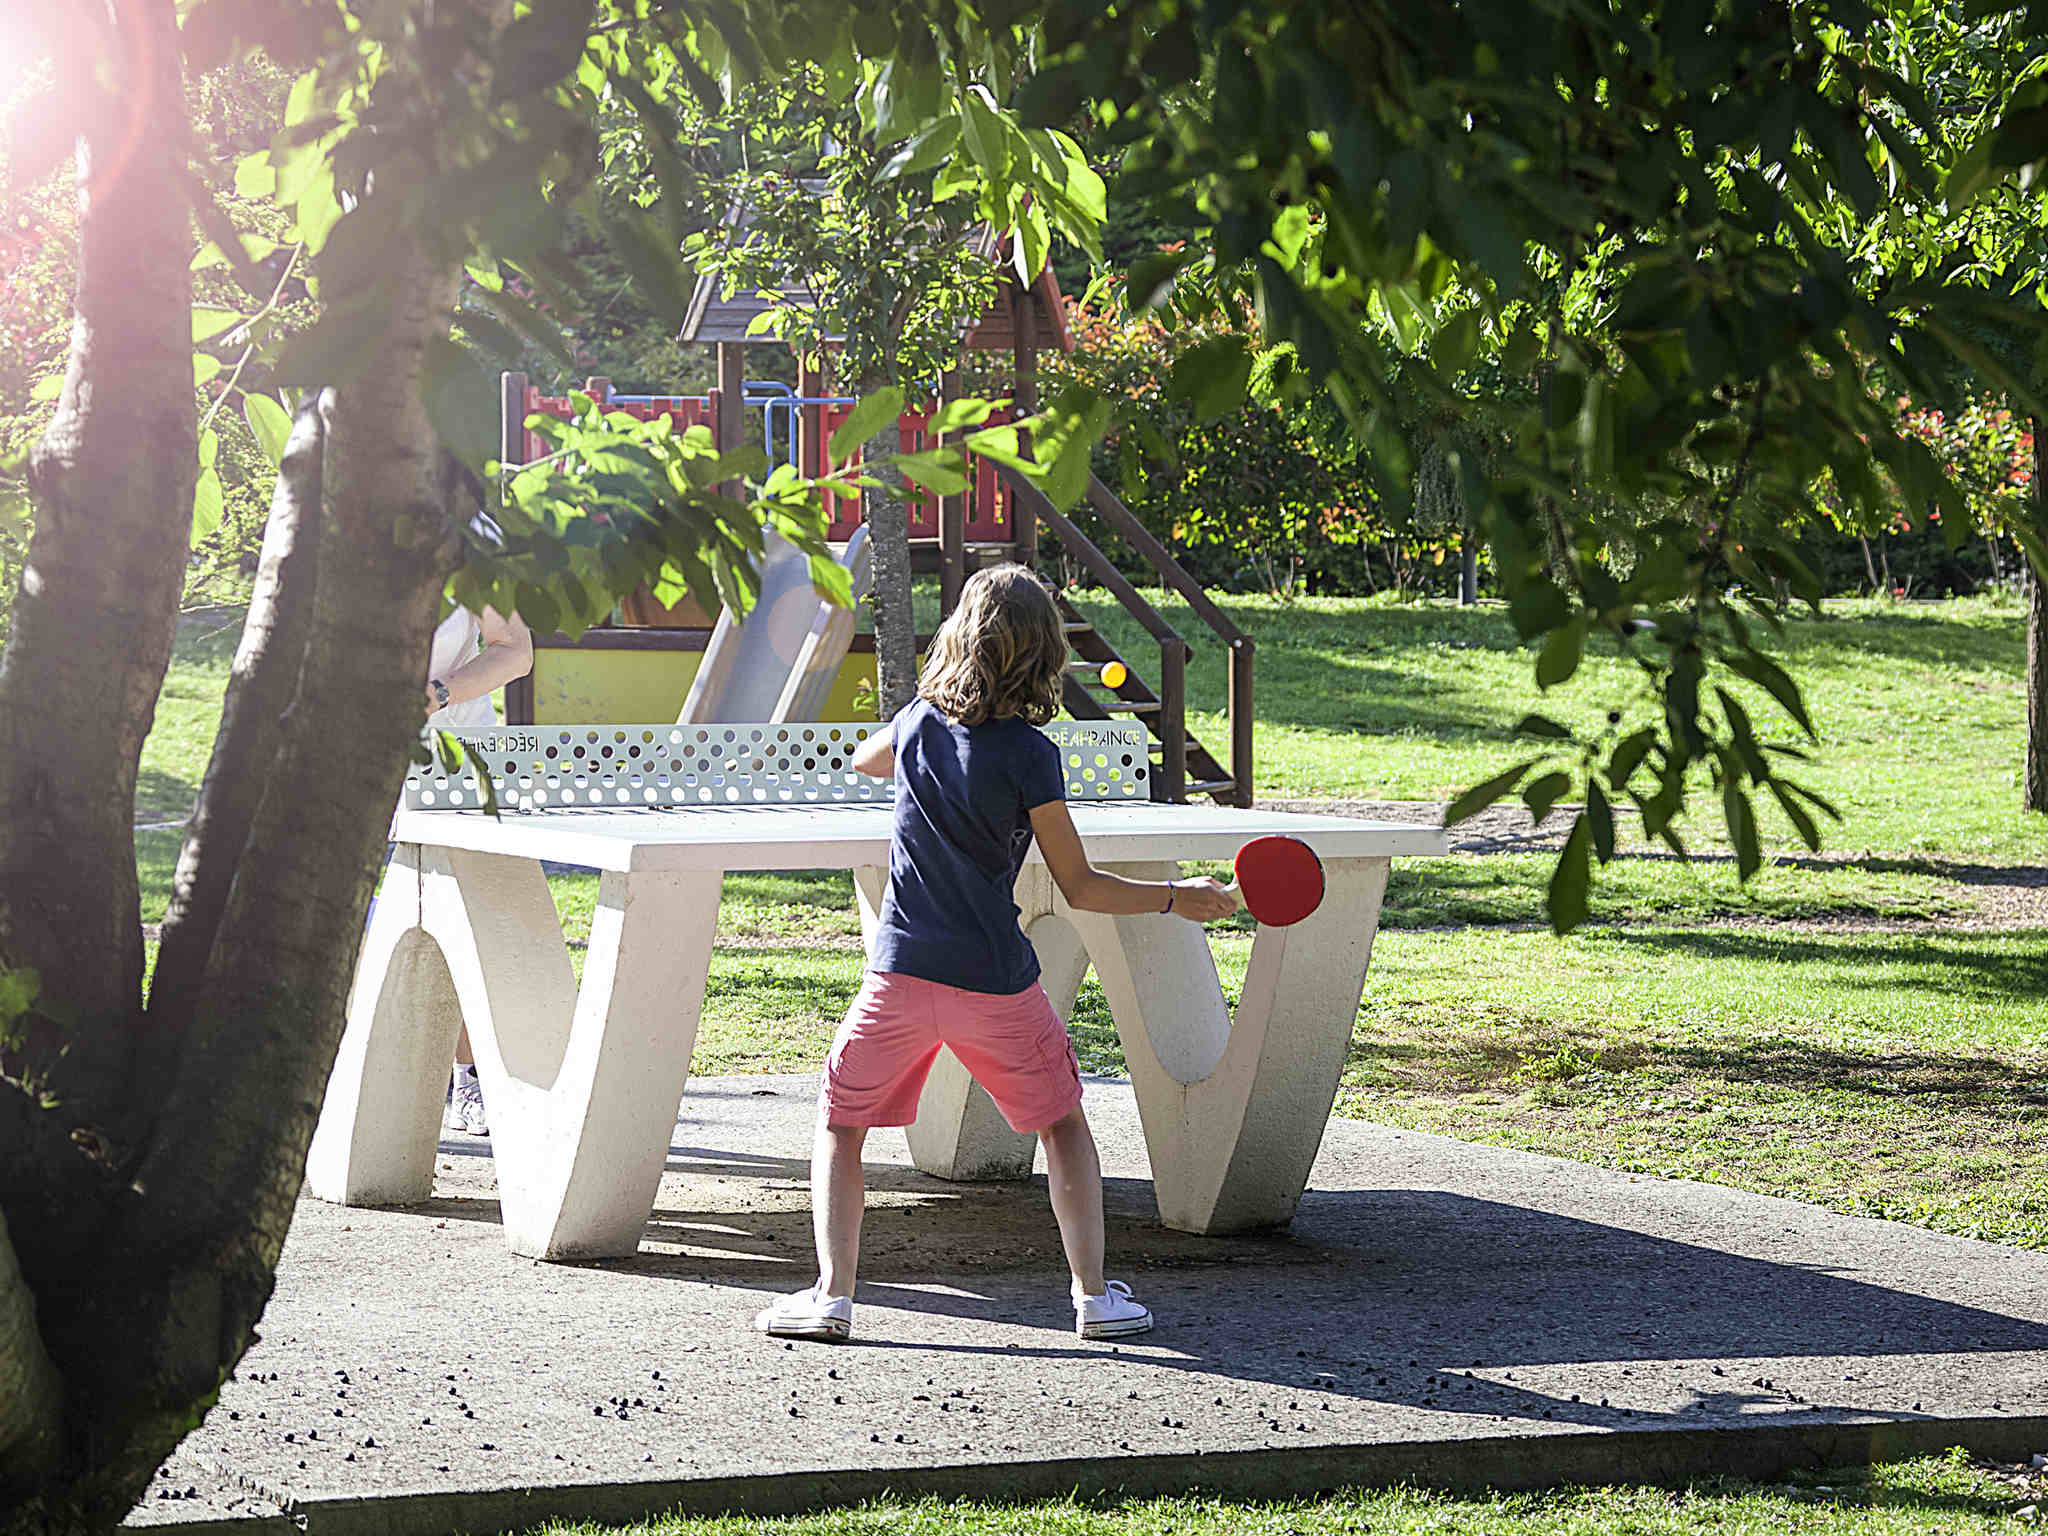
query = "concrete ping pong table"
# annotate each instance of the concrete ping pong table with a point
(583, 1083)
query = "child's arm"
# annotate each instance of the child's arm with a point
(1089, 889)
(876, 757)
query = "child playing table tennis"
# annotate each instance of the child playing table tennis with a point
(975, 782)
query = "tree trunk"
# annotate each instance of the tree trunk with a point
(31, 1404)
(1468, 569)
(97, 605)
(2036, 794)
(94, 618)
(888, 519)
(236, 1108)
(149, 1209)
(265, 675)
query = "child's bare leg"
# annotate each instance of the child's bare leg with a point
(838, 1191)
(1074, 1174)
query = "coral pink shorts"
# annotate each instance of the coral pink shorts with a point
(1014, 1045)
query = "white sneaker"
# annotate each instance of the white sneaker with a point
(808, 1315)
(465, 1111)
(1110, 1315)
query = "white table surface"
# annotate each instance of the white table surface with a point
(840, 836)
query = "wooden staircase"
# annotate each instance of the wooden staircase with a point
(1084, 698)
(1185, 767)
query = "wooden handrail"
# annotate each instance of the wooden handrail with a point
(1031, 499)
(1172, 574)
(1160, 558)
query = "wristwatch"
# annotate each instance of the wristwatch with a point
(440, 691)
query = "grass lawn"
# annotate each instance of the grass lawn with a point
(1921, 707)
(1934, 1494)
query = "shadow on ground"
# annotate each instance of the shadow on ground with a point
(1435, 1293)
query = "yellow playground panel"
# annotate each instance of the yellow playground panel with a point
(575, 685)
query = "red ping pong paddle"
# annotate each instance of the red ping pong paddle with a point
(1279, 880)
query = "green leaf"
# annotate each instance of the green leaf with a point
(205, 366)
(1542, 725)
(1063, 440)
(17, 511)
(540, 610)
(269, 425)
(1741, 827)
(1629, 755)
(1480, 796)
(869, 417)
(1802, 822)
(957, 414)
(461, 402)
(1538, 606)
(1559, 658)
(1212, 376)
(532, 324)
(540, 48)
(1773, 679)
(338, 348)
(1483, 227)
(986, 135)
(255, 176)
(934, 146)
(209, 323)
(1572, 880)
(48, 388)
(206, 506)
(1600, 815)
(490, 334)
(319, 210)
(651, 258)
(209, 448)
(831, 581)
(1152, 278)
(937, 471)
(1542, 795)
(1825, 806)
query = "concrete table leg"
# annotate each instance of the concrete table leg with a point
(581, 1086)
(1234, 1107)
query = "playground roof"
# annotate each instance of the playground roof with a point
(714, 317)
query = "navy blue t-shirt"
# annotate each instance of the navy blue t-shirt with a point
(964, 797)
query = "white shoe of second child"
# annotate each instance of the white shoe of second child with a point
(1111, 1315)
(808, 1315)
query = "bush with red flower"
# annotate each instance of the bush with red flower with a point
(1987, 452)
(1247, 500)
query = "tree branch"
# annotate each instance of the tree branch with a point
(266, 671)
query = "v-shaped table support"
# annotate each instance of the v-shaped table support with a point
(581, 1084)
(1233, 1105)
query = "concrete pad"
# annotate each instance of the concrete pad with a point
(1439, 1312)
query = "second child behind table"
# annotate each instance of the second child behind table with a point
(976, 781)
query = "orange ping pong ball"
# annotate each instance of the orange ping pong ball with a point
(1115, 674)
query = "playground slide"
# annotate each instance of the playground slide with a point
(781, 663)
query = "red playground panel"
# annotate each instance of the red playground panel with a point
(985, 514)
(685, 410)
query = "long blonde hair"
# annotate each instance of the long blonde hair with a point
(1002, 652)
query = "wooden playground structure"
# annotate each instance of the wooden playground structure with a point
(1001, 516)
